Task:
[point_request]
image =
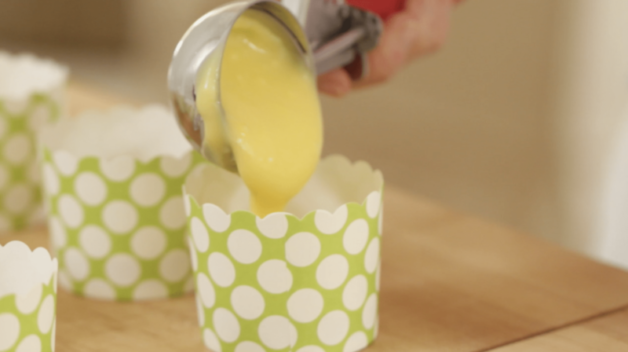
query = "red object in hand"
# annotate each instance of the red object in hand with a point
(384, 8)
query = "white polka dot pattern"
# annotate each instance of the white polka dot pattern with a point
(4, 177)
(211, 341)
(333, 327)
(99, 289)
(272, 332)
(149, 242)
(57, 232)
(150, 289)
(117, 169)
(65, 162)
(355, 237)
(147, 189)
(175, 265)
(77, 264)
(311, 348)
(51, 181)
(172, 213)
(274, 276)
(71, 211)
(175, 167)
(27, 303)
(248, 346)
(356, 342)
(328, 223)
(95, 241)
(221, 269)
(226, 325)
(27, 320)
(17, 149)
(373, 203)
(273, 226)
(200, 312)
(244, 246)
(46, 314)
(31, 343)
(34, 173)
(18, 198)
(332, 271)
(370, 311)
(305, 305)
(302, 249)
(199, 234)
(90, 188)
(193, 255)
(123, 270)
(372, 256)
(64, 280)
(355, 292)
(216, 218)
(247, 302)
(205, 290)
(10, 327)
(119, 224)
(284, 277)
(53, 336)
(120, 216)
(187, 205)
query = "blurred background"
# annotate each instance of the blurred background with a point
(514, 120)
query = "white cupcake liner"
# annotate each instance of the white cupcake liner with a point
(304, 280)
(32, 92)
(28, 295)
(113, 190)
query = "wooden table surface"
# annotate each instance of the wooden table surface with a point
(450, 283)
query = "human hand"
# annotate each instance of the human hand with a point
(420, 29)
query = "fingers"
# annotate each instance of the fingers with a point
(336, 83)
(431, 20)
(391, 52)
(419, 30)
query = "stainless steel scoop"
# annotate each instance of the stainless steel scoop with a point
(334, 35)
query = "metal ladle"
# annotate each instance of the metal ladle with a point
(334, 36)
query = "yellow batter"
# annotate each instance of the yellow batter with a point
(271, 107)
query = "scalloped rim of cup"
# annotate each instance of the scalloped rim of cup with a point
(44, 136)
(327, 162)
(137, 161)
(62, 73)
(43, 265)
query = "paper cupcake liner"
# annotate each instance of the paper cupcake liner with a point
(22, 113)
(117, 223)
(27, 299)
(118, 226)
(285, 283)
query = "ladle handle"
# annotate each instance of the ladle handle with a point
(339, 34)
(338, 52)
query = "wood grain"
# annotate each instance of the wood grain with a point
(607, 333)
(450, 283)
(454, 283)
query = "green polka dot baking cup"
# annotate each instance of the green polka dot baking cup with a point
(306, 280)
(28, 296)
(112, 183)
(31, 93)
